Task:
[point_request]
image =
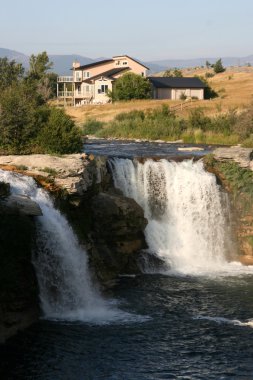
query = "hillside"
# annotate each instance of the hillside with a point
(234, 86)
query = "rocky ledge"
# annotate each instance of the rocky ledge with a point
(73, 173)
(242, 156)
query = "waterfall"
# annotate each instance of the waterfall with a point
(186, 212)
(66, 289)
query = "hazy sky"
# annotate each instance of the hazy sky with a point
(146, 29)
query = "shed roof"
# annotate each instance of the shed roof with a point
(176, 82)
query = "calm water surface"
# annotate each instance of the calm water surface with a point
(190, 334)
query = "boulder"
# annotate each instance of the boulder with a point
(19, 204)
(117, 235)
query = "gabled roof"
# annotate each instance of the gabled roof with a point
(93, 64)
(176, 82)
(127, 56)
(108, 74)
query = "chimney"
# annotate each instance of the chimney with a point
(76, 64)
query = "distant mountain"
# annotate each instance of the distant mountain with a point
(183, 63)
(17, 56)
(63, 63)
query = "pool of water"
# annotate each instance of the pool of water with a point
(191, 328)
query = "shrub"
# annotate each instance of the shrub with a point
(131, 86)
(60, 135)
(92, 126)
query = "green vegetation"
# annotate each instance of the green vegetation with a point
(27, 123)
(218, 67)
(162, 123)
(131, 86)
(173, 73)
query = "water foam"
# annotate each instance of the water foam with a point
(188, 215)
(222, 320)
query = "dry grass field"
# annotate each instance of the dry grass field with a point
(234, 86)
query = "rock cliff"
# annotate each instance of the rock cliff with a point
(18, 285)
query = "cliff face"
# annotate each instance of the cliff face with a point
(18, 286)
(234, 167)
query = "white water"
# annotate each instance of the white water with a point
(186, 211)
(222, 320)
(66, 290)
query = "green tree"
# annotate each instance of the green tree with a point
(39, 65)
(60, 135)
(131, 86)
(18, 126)
(38, 74)
(208, 64)
(218, 67)
(10, 72)
(168, 73)
(177, 73)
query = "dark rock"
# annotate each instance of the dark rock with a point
(4, 189)
(19, 204)
(19, 305)
(117, 235)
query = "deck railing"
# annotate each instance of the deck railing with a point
(65, 79)
(65, 94)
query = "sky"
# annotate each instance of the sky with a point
(146, 29)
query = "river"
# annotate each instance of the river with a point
(192, 320)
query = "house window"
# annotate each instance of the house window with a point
(87, 74)
(125, 63)
(79, 89)
(103, 89)
(87, 88)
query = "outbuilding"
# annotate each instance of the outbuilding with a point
(175, 88)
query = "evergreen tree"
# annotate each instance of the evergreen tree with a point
(218, 67)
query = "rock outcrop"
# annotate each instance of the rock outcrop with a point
(242, 156)
(73, 173)
(19, 301)
(234, 168)
(117, 235)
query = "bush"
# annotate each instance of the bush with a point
(92, 126)
(131, 86)
(60, 135)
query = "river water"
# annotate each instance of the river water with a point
(191, 333)
(194, 320)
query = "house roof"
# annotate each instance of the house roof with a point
(176, 82)
(108, 73)
(93, 64)
(127, 56)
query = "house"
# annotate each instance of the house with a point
(90, 83)
(175, 88)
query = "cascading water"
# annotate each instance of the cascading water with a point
(186, 212)
(66, 290)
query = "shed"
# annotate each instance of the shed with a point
(174, 87)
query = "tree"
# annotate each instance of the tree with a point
(208, 64)
(18, 126)
(218, 67)
(175, 73)
(38, 74)
(131, 86)
(10, 72)
(167, 73)
(60, 135)
(39, 65)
